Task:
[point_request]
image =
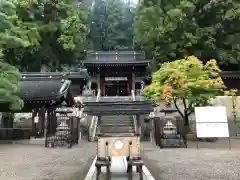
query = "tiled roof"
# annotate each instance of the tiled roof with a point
(66, 75)
(43, 89)
(230, 74)
(114, 57)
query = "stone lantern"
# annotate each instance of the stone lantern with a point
(170, 128)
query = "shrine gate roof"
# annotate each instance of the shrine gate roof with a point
(115, 58)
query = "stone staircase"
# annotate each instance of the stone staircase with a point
(116, 98)
(116, 124)
(107, 122)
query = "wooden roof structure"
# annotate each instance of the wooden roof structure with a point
(48, 89)
(230, 74)
(39, 92)
(82, 74)
(115, 58)
(78, 79)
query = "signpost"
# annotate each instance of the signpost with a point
(211, 122)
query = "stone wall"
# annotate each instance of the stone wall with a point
(218, 101)
(227, 102)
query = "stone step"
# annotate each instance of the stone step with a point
(107, 129)
(116, 98)
(116, 121)
(116, 124)
(116, 117)
(111, 124)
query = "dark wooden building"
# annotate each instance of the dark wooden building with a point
(116, 73)
(231, 80)
(42, 93)
(78, 79)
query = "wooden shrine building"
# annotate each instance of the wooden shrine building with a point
(78, 79)
(231, 80)
(42, 93)
(116, 73)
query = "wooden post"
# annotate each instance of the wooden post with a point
(34, 113)
(138, 125)
(103, 85)
(98, 81)
(46, 127)
(41, 122)
(133, 81)
(129, 84)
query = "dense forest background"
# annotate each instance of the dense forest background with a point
(53, 35)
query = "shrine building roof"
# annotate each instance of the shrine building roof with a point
(81, 74)
(115, 58)
(43, 91)
(34, 89)
(230, 74)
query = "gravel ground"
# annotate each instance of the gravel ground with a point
(194, 164)
(32, 162)
(29, 162)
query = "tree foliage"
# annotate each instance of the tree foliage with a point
(111, 25)
(187, 82)
(9, 38)
(170, 30)
(56, 32)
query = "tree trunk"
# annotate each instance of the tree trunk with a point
(186, 121)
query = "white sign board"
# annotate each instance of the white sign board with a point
(211, 121)
(205, 130)
(211, 114)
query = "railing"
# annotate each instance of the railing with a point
(94, 121)
(134, 116)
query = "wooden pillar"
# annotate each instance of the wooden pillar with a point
(34, 129)
(47, 127)
(102, 85)
(98, 81)
(138, 125)
(41, 121)
(129, 84)
(133, 81)
(54, 122)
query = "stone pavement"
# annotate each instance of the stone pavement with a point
(217, 163)
(34, 162)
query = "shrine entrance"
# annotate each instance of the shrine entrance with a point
(116, 88)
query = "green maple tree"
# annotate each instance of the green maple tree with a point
(186, 82)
